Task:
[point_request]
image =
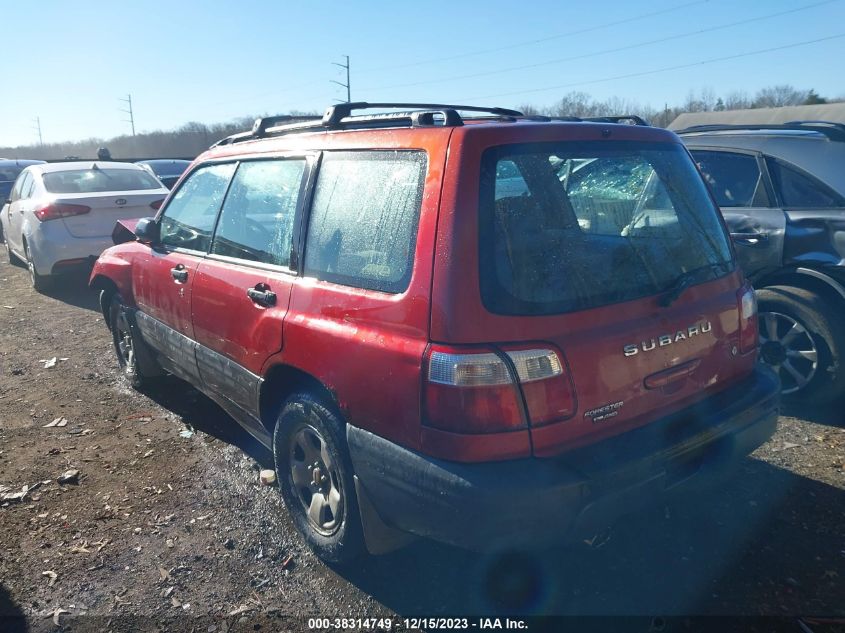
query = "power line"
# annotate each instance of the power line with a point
(590, 29)
(346, 85)
(131, 119)
(607, 50)
(659, 70)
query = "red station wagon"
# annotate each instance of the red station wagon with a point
(453, 322)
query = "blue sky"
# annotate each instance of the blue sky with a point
(69, 63)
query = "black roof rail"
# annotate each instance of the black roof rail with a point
(833, 131)
(632, 119)
(340, 116)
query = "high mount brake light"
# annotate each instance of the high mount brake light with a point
(748, 324)
(482, 391)
(56, 210)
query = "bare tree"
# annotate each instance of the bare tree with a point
(779, 96)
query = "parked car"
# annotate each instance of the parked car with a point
(426, 357)
(782, 191)
(9, 171)
(166, 170)
(60, 216)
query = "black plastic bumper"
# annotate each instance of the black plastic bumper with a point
(535, 501)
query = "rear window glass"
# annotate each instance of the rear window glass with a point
(363, 224)
(96, 180)
(593, 224)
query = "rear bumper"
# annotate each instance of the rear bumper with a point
(51, 244)
(534, 501)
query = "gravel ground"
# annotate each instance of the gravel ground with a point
(168, 528)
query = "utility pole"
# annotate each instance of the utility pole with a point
(346, 85)
(37, 128)
(131, 119)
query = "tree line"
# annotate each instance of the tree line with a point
(192, 138)
(581, 104)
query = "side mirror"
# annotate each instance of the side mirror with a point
(8, 201)
(147, 231)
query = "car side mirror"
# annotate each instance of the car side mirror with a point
(148, 231)
(8, 201)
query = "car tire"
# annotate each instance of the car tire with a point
(315, 478)
(40, 283)
(128, 346)
(803, 338)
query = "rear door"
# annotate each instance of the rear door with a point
(242, 289)
(163, 283)
(740, 184)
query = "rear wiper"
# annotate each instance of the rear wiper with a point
(685, 281)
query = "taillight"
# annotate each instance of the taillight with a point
(156, 204)
(748, 325)
(547, 388)
(477, 392)
(56, 210)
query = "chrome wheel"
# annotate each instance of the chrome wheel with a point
(789, 348)
(315, 480)
(123, 340)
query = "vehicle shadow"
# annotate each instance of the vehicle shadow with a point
(832, 414)
(73, 289)
(12, 619)
(770, 543)
(202, 414)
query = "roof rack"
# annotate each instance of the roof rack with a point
(339, 117)
(833, 131)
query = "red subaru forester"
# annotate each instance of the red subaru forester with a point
(454, 322)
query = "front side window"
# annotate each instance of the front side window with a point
(363, 223)
(188, 219)
(734, 179)
(256, 223)
(800, 190)
(599, 223)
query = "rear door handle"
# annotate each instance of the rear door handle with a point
(262, 295)
(179, 273)
(750, 239)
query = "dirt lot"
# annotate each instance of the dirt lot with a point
(170, 530)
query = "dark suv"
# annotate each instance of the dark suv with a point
(782, 191)
(487, 329)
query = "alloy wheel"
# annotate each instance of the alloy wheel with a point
(316, 482)
(789, 348)
(123, 339)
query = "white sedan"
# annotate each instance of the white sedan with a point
(60, 216)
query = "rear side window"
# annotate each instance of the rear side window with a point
(800, 190)
(734, 179)
(363, 223)
(599, 223)
(96, 180)
(188, 219)
(256, 223)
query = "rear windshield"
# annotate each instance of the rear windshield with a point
(95, 180)
(572, 226)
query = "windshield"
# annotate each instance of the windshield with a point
(572, 226)
(97, 180)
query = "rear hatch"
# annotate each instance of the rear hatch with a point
(110, 194)
(611, 255)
